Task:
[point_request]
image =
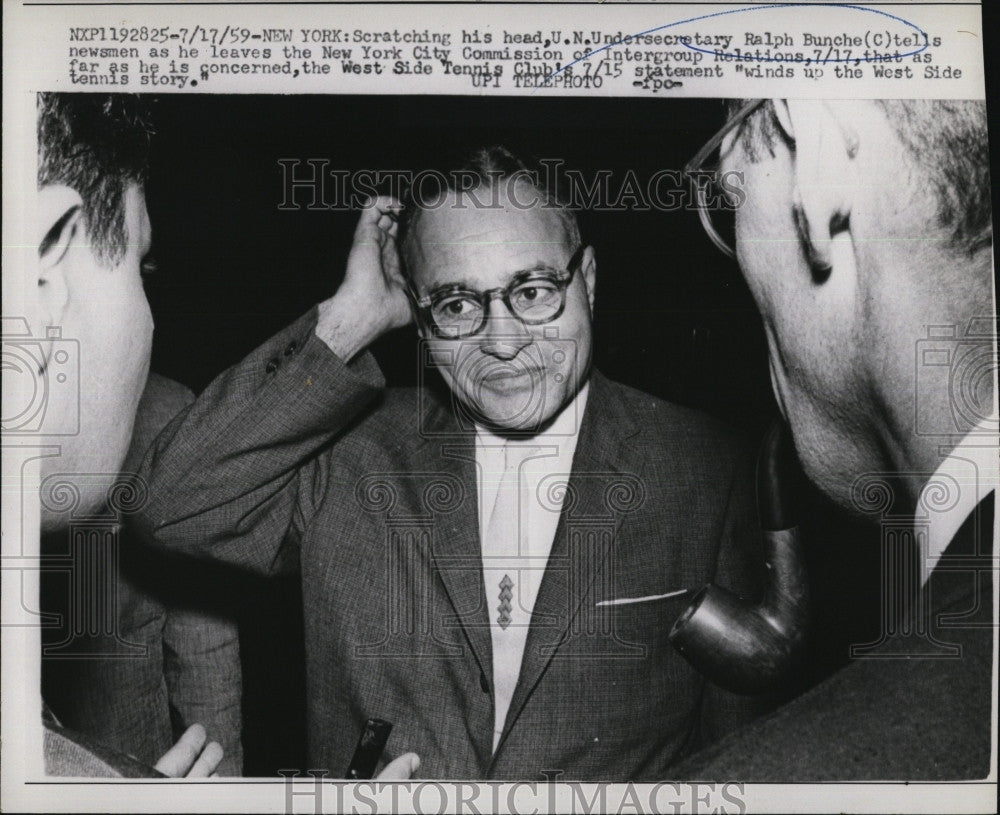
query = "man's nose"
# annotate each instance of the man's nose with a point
(504, 335)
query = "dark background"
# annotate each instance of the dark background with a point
(673, 316)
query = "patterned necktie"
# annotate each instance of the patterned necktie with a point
(506, 593)
(501, 573)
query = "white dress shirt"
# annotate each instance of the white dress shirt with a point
(544, 462)
(967, 475)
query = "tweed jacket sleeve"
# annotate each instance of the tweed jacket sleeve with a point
(237, 474)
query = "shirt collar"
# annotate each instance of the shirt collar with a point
(971, 472)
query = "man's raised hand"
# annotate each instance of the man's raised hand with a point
(373, 265)
(372, 299)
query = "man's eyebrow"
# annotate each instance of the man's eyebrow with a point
(539, 266)
(452, 284)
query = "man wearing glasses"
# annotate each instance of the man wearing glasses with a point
(866, 239)
(493, 566)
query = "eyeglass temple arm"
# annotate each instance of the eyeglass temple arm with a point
(712, 144)
(699, 160)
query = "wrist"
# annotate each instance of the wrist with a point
(347, 324)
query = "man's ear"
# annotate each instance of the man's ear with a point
(825, 175)
(588, 268)
(59, 216)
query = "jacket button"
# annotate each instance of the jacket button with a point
(483, 683)
(291, 348)
(272, 366)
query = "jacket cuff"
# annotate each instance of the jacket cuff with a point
(302, 361)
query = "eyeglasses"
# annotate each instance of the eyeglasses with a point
(534, 296)
(716, 217)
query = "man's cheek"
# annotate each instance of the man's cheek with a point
(129, 341)
(140, 322)
(133, 316)
(571, 357)
(455, 364)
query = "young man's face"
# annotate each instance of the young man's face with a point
(107, 318)
(511, 375)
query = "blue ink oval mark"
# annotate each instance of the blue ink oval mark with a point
(875, 57)
(745, 58)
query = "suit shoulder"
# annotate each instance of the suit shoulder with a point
(655, 415)
(679, 436)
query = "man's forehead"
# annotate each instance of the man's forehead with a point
(457, 232)
(470, 217)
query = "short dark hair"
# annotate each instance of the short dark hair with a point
(486, 168)
(98, 145)
(948, 144)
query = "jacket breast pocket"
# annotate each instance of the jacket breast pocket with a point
(645, 622)
(648, 690)
(633, 631)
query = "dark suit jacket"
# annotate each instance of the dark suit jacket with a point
(376, 492)
(171, 659)
(886, 718)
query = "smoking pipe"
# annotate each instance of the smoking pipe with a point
(739, 645)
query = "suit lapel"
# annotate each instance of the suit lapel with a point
(969, 551)
(456, 547)
(603, 463)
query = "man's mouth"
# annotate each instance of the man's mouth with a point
(509, 378)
